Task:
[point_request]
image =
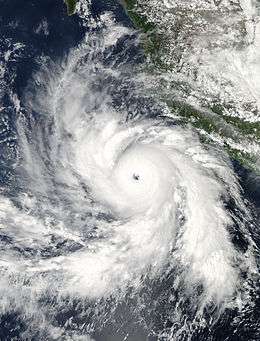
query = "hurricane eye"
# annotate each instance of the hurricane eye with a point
(136, 177)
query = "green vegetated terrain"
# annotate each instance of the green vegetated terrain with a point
(212, 120)
(71, 6)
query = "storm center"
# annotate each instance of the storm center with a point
(136, 177)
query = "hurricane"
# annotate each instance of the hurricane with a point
(118, 221)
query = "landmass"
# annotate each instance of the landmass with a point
(213, 119)
(71, 6)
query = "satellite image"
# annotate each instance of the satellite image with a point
(129, 170)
